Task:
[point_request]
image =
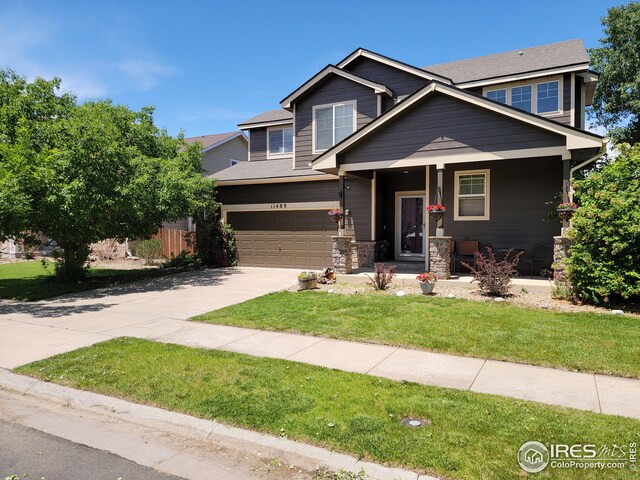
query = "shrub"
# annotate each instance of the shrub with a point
(183, 260)
(561, 286)
(605, 259)
(493, 275)
(149, 250)
(214, 242)
(382, 276)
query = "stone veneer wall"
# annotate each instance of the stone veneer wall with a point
(342, 252)
(561, 250)
(440, 256)
(363, 254)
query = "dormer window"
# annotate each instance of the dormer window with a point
(542, 98)
(332, 123)
(280, 141)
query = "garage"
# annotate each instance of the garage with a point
(298, 239)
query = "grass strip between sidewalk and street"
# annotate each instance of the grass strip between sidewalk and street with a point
(470, 436)
(586, 342)
(29, 281)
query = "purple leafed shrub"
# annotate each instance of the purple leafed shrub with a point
(493, 275)
(382, 276)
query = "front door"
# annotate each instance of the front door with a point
(410, 217)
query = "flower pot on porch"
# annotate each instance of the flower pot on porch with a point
(565, 213)
(309, 284)
(427, 287)
(437, 215)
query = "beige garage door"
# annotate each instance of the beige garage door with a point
(300, 239)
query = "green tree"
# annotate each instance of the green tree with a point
(605, 259)
(81, 174)
(616, 104)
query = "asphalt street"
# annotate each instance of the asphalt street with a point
(34, 455)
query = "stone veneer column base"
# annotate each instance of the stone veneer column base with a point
(341, 253)
(561, 250)
(440, 256)
(363, 253)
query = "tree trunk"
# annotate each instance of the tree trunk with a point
(71, 267)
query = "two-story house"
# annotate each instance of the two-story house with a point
(493, 138)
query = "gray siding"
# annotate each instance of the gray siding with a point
(219, 158)
(441, 125)
(325, 190)
(334, 89)
(257, 144)
(358, 200)
(519, 190)
(399, 81)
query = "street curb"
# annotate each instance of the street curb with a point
(300, 454)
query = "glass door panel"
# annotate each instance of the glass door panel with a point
(412, 225)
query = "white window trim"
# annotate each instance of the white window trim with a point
(487, 191)
(326, 105)
(506, 94)
(534, 93)
(279, 155)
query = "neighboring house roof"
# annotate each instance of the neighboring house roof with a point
(214, 140)
(325, 72)
(270, 117)
(252, 172)
(420, 72)
(521, 61)
(575, 138)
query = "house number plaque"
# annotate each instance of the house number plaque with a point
(278, 205)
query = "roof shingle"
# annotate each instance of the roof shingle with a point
(281, 168)
(523, 60)
(268, 116)
(208, 140)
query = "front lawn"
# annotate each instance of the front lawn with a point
(29, 281)
(587, 342)
(471, 436)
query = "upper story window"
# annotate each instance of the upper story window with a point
(332, 123)
(279, 141)
(541, 98)
(548, 97)
(499, 95)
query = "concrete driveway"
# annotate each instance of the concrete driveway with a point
(31, 331)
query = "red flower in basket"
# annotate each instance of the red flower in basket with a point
(336, 214)
(438, 207)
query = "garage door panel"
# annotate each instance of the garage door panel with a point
(300, 239)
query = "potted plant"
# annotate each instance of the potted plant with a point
(427, 281)
(566, 210)
(436, 211)
(308, 280)
(336, 214)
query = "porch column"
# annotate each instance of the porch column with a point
(566, 186)
(440, 190)
(341, 192)
(427, 230)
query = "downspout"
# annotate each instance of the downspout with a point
(601, 152)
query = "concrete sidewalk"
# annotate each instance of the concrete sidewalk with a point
(157, 310)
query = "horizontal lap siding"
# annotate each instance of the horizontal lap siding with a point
(358, 200)
(400, 82)
(442, 125)
(334, 89)
(279, 192)
(519, 190)
(220, 157)
(257, 144)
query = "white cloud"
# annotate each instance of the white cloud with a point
(146, 73)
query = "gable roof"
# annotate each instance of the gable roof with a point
(332, 70)
(216, 139)
(419, 72)
(270, 117)
(575, 138)
(570, 53)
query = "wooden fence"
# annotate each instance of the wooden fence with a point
(173, 241)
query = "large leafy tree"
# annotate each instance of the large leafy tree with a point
(605, 260)
(616, 104)
(82, 173)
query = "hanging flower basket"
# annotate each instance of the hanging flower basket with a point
(566, 210)
(436, 211)
(336, 214)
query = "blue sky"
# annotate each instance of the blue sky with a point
(207, 66)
